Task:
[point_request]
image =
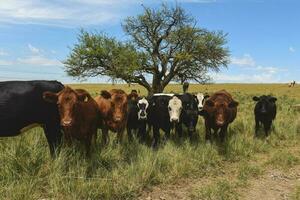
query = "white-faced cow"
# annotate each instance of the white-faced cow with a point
(201, 100)
(137, 115)
(164, 112)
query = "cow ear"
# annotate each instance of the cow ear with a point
(233, 104)
(83, 97)
(273, 99)
(105, 94)
(50, 97)
(206, 96)
(255, 98)
(210, 103)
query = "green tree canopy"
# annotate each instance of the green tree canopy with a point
(164, 45)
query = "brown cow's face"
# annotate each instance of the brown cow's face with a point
(67, 106)
(67, 101)
(119, 107)
(220, 111)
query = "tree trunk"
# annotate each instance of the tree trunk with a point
(157, 86)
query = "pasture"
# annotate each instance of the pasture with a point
(177, 170)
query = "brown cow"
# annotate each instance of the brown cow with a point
(113, 109)
(79, 114)
(219, 111)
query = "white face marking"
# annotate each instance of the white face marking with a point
(200, 98)
(174, 107)
(142, 114)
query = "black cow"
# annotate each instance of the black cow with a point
(22, 105)
(163, 114)
(189, 114)
(265, 112)
(137, 115)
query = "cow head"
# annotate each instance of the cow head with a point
(201, 99)
(142, 106)
(118, 99)
(264, 103)
(67, 101)
(174, 107)
(189, 111)
(219, 110)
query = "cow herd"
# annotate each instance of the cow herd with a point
(75, 114)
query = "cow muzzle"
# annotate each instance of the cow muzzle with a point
(220, 122)
(66, 123)
(142, 115)
(174, 120)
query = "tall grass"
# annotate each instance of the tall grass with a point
(123, 171)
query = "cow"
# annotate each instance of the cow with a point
(201, 99)
(185, 87)
(164, 113)
(113, 109)
(265, 112)
(219, 111)
(22, 106)
(79, 114)
(189, 113)
(292, 84)
(137, 115)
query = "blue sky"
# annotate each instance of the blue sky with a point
(263, 35)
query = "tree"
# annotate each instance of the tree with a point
(164, 45)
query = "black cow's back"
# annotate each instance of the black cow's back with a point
(22, 104)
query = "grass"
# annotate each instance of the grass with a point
(222, 190)
(124, 171)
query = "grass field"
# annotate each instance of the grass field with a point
(132, 171)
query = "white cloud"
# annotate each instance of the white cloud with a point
(246, 60)
(71, 13)
(292, 49)
(5, 62)
(3, 53)
(39, 60)
(250, 72)
(246, 78)
(33, 49)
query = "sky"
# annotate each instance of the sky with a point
(36, 36)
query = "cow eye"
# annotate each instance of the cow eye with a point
(169, 108)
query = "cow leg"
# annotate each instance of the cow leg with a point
(178, 129)
(120, 136)
(54, 135)
(105, 137)
(207, 132)
(256, 127)
(142, 132)
(129, 134)
(223, 133)
(267, 127)
(88, 142)
(155, 137)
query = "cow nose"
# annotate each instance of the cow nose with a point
(200, 107)
(176, 120)
(118, 119)
(263, 111)
(220, 123)
(66, 123)
(143, 114)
